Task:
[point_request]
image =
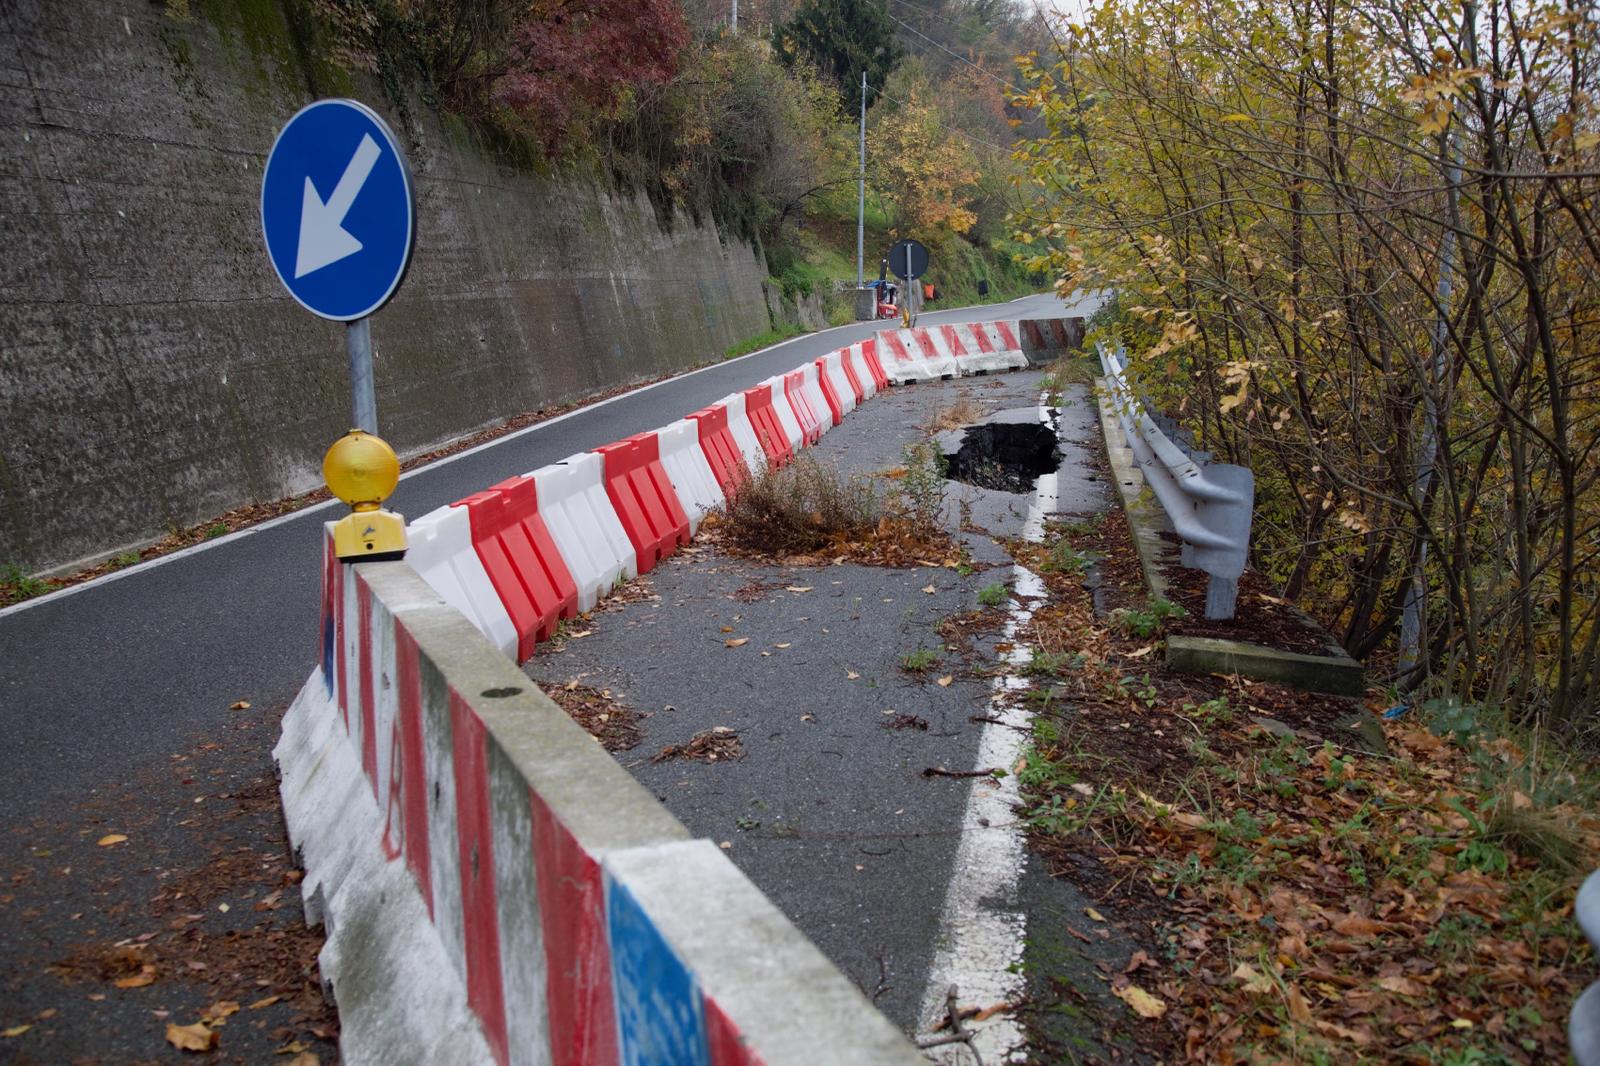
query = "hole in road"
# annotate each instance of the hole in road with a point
(1006, 456)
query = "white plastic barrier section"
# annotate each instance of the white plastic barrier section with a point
(744, 434)
(689, 470)
(863, 372)
(816, 398)
(786, 415)
(439, 547)
(584, 525)
(833, 364)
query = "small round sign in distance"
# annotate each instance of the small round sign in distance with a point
(338, 211)
(908, 259)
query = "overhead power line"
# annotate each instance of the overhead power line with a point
(954, 55)
(941, 125)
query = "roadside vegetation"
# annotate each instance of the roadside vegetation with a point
(1355, 250)
(1293, 890)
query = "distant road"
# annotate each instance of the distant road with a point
(98, 680)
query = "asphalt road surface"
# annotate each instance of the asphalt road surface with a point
(102, 679)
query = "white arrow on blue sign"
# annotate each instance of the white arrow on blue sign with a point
(337, 210)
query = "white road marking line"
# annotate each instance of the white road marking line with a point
(982, 931)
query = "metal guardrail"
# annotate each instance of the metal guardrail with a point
(1583, 1027)
(1209, 503)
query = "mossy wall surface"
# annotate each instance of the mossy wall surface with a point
(153, 371)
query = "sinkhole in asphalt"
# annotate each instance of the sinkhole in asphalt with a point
(1005, 456)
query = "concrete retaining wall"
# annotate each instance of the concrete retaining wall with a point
(153, 372)
(496, 888)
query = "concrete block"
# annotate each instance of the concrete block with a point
(1339, 675)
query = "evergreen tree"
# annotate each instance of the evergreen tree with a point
(840, 38)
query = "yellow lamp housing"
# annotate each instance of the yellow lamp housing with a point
(362, 470)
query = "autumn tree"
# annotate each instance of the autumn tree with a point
(1354, 245)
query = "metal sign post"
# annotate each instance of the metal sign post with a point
(338, 217)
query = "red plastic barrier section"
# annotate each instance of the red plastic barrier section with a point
(521, 559)
(722, 451)
(869, 352)
(764, 420)
(855, 382)
(794, 387)
(646, 503)
(834, 406)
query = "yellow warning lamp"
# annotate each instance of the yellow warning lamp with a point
(362, 470)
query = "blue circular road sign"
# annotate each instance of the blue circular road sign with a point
(337, 210)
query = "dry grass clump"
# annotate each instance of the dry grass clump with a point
(802, 508)
(963, 412)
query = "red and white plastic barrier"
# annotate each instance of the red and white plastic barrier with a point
(644, 499)
(439, 548)
(794, 434)
(584, 525)
(689, 469)
(496, 889)
(842, 394)
(724, 458)
(804, 405)
(865, 355)
(741, 428)
(761, 406)
(522, 561)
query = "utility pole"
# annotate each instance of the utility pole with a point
(734, 22)
(861, 187)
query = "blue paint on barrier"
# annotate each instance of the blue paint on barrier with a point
(660, 1017)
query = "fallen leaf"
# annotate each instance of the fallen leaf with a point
(1082, 788)
(783, 645)
(579, 634)
(293, 1047)
(266, 1002)
(851, 675)
(110, 839)
(944, 682)
(145, 976)
(1254, 982)
(1403, 986)
(929, 589)
(1299, 1009)
(797, 588)
(223, 907)
(1142, 652)
(1461, 1023)
(47, 1014)
(1356, 925)
(1094, 915)
(15, 1030)
(989, 1012)
(219, 1010)
(305, 1058)
(739, 643)
(1143, 1003)
(196, 1037)
(727, 629)
(241, 705)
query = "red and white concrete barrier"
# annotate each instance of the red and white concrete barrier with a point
(497, 889)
